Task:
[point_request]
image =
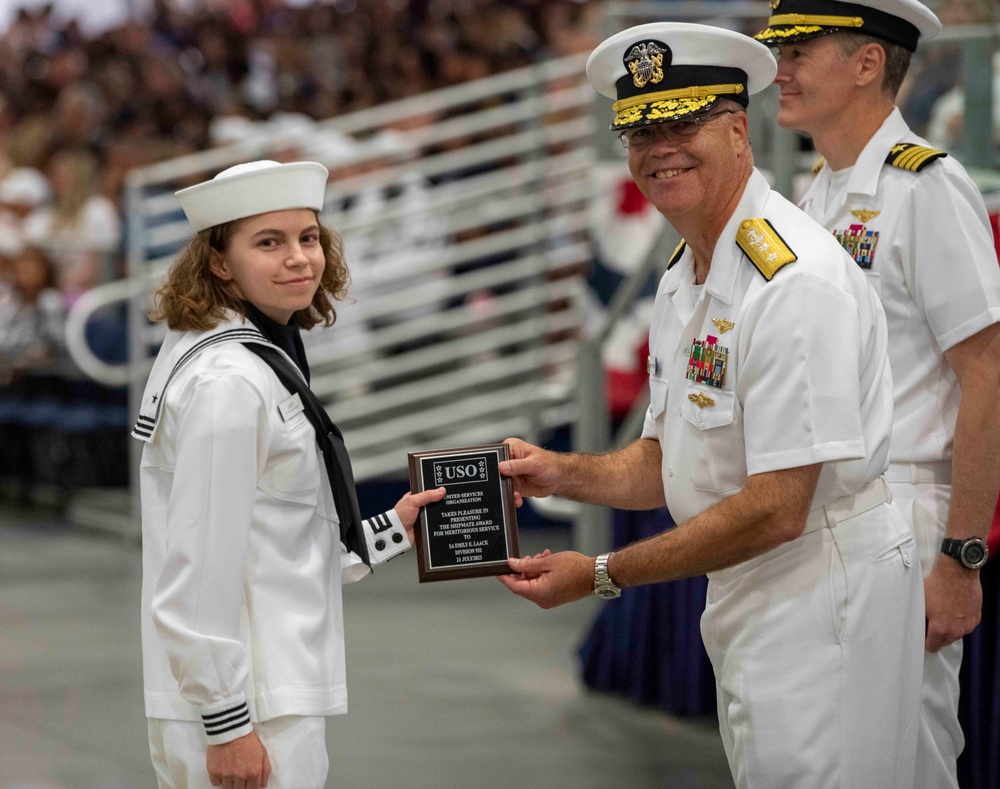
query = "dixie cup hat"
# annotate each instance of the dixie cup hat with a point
(254, 188)
(25, 186)
(669, 70)
(901, 22)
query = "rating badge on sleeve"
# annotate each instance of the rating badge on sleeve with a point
(707, 362)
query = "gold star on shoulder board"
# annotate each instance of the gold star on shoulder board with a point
(723, 325)
(864, 214)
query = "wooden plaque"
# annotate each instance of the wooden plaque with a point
(472, 531)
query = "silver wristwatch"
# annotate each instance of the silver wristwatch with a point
(603, 585)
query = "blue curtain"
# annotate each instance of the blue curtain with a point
(647, 644)
(979, 705)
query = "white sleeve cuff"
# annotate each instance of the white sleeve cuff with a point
(226, 720)
(386, 537)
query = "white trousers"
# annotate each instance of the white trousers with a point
(296, 748)
(925, 506)
(816, 648)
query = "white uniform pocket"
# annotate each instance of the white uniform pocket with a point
(707, 408)
(902, 547)
(657, 396)
(292, 470)
(720, 463)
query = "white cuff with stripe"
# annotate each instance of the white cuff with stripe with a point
(386, 537)
(226, 720)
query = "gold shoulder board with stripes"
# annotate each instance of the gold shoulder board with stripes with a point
(912, 157)
(765, 248)
(676, 254)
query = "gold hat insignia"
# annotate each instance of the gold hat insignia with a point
(645, 63)
(864, 214)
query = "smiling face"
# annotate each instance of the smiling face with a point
(693, 179)
(817, 81)
(274, 261)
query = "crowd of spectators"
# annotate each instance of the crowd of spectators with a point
(77, 113)
(83, 112)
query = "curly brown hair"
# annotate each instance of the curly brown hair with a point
(194, 299)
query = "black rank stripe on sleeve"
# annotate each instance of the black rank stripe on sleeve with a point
(380, 523)
(227, 720)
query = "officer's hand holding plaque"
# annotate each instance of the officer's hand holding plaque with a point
(472, 531)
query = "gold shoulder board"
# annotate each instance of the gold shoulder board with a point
(765, 248)
(676, 254)
(818, 165)
(912, 157)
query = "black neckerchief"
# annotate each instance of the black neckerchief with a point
(287, 336)
(328, 436)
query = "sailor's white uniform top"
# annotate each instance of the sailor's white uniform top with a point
(242, 560)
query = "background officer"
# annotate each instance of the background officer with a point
(915, 222)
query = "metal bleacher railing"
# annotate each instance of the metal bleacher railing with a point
(465, 216)
(464, 219)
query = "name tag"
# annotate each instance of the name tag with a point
(291, 407)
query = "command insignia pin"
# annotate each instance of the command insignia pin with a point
(701, 400)
(723, 325)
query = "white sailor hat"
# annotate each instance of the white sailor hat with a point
(667, 70)
(900, 22)
(254, 188)
(25, 186)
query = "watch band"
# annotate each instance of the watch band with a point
(970, 552)
(604, 587)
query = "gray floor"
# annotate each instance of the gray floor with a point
(454, 684)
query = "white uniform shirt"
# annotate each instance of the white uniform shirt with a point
(933, 265)
(806, 378)
(242, 559)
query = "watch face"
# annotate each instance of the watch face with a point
(607, 594)
(973, 554)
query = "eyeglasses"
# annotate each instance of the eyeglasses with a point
(642, 136)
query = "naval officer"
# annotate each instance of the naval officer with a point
(767, 436)
(915, 223)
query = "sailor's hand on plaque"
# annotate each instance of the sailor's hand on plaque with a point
(408, 507)
(549, 580)
(534, 470)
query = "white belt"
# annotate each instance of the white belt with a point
(934, 472)
(872, 495)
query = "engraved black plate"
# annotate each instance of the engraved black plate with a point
(472, 531)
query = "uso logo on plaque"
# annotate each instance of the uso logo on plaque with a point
(457, 471)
